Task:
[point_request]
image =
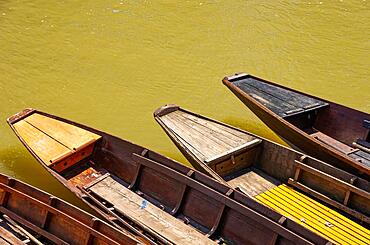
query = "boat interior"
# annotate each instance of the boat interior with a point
(117, 177)
(285, 180)
(344, 129)
(30, 216)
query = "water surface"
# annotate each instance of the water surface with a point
(110, 64)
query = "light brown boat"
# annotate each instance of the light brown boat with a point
(325, 199)
(334, 133)
(150, 195)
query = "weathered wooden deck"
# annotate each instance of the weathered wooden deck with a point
(279, 100)
(205, 139)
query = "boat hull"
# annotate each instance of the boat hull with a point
(297, 137)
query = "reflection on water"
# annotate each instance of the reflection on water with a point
(110, 64)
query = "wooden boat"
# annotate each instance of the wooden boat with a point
(147, 193)
(325, 199)
(331, 132)
(31, 216)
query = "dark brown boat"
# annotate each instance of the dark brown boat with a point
(324, 199)
(147, 193)
(31, 216)
(331, 132)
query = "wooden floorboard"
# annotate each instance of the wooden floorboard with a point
(364, 157)
(145, 213)
(9, 237)
(315, 216)
(253, 182)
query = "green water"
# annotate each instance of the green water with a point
(110, 64)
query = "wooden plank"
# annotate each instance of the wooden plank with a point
(211, 143)
(333, 180)
(293, 98)
(52, 211)
(190, 139)
(332, 142)
(32, 226)
(366, 123)
(44, 147)
(244, 210)
(277, 105)
(71, 136)
(314, 212)
(9, 237)
(240, 148)
(334, 215)
(361, 157)
(362, 145)
(146, 214)
(228, 135)
(253, 182)
(183, 141)
(329, 201)
(305, 211)
(203, 139)
(215, 126)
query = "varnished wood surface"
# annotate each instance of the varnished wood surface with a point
(205, 139)
(53, 140)
(146, 213)
(67, 134)
(7, 237)
(44, 146)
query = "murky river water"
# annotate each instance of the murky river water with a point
(110, 64)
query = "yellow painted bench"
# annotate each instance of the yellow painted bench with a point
(314, 216)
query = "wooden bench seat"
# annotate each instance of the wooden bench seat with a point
(314, 216)
(145, 213)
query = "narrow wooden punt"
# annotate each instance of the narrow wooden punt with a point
(322, 198)
(31, 216)
(147, 193)
(331, 132)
